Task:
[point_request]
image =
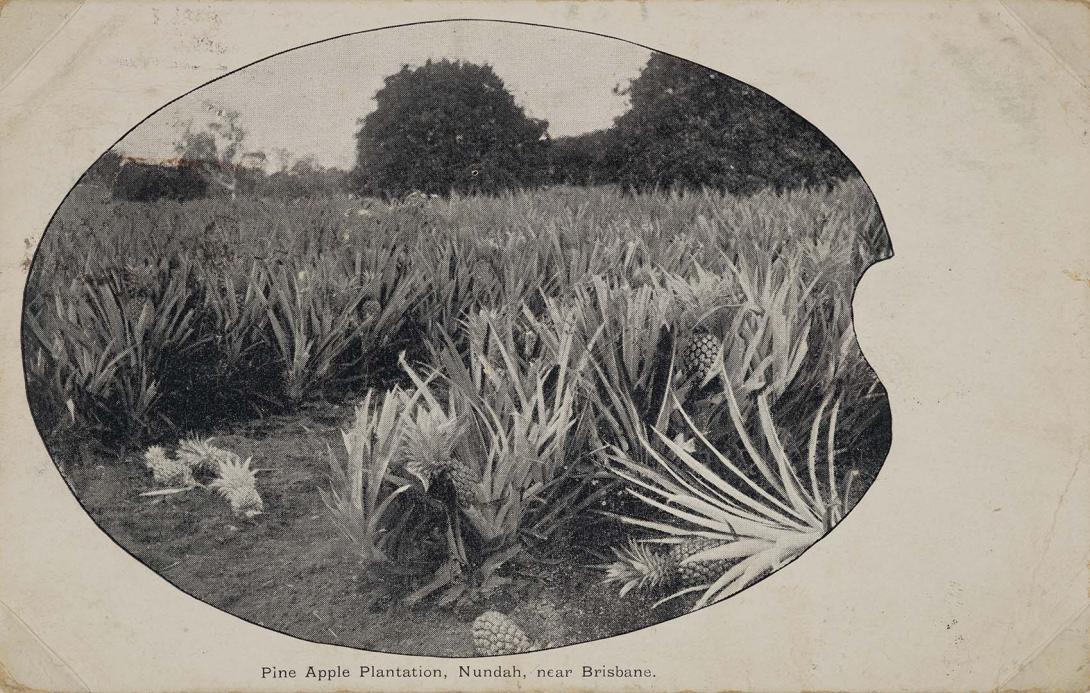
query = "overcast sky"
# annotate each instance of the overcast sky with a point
(308, 100)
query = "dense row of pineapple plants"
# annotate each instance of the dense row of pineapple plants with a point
(523, 366)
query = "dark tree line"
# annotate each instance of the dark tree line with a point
(142, 182)
(138, 181)
(451, 126)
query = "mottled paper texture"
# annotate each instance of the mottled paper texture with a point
(965, 568)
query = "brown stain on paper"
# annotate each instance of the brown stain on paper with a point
(1078, 277)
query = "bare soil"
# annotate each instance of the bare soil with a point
(290, 570)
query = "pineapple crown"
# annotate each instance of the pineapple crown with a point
(701, 300)
(638, 566)
(200, 453)
(166, 470)
(428, 441)
(235, 473)
(237, 484)
(155, 455)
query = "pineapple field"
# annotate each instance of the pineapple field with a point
(465, 424)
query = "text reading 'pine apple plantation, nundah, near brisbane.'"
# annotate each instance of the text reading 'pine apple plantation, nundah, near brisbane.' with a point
(367, 671)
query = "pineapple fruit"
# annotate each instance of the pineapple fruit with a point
(427, 451)
(201, 455)
(464, 481)
(496, 634)
(699, 354)
(167, 471)
(638, 566)
(697, 572)
(232, 478)
(699, 306)
(461, 477)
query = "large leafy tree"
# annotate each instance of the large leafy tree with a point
(447, 126)
(690, 126)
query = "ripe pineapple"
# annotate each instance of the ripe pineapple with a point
(167, 471)
(370, 310)
(237, 484)
(427, 451)
(699, 308)
(464, 480)
(698, 358)
(638, 566)
(698, 572)
(496, 634)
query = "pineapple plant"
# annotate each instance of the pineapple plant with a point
(360, 498)
(638, 566)
(766, 513)
(237, 484)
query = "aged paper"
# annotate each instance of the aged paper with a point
(966, 566)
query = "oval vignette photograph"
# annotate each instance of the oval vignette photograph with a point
(459, 339)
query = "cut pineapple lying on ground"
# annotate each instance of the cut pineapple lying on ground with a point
(201, 455)
(234, 480)
(639, 566)
(167, 471)
(496, 634)
(237, 484)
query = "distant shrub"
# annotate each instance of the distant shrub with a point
(303, 181)
(104, 171)
(140, 182)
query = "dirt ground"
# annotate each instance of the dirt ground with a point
(290, 570)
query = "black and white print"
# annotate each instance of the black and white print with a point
(463, 338)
